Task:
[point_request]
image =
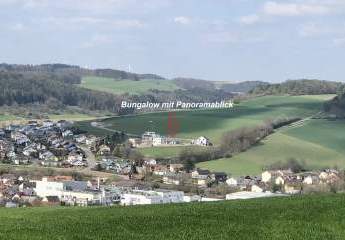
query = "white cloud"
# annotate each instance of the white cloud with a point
(182, 20)
(339, 41)
(96, 41)
(78, 22)
(249, 19)
(231, 37)
(222, 37)
(313, 29)
(17, 27)
(294, 9)
(91, 6)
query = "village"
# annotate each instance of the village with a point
(138, 180)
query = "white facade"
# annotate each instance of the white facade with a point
(266, 176)
(194, 198)
(46, 188)
(257, 189)
(249, 195)
(279, 180)
(231, 182)
(201, 141)
(152, 197)
(158, 140)
(308, 180)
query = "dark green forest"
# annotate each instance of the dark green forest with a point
(298, 87)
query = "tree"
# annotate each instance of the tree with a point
(188, 165)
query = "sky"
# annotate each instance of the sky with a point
(224, 40)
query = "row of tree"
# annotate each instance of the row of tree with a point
(298, 87)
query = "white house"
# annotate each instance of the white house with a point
(134, 142)
(81, 198)
(309, 180)
(46, 188)
(268, 176)
(48, 123)
(231, 182)
(279, 180)
(202, 141)
(67, 133)
(257, 189)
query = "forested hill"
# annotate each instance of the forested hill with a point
(18, 88)
(72, 74)
(28, 87)
(76, 71)
(298, 87)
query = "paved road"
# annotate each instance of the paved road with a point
(90, 157)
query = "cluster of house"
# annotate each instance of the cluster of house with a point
(63, 190)
(284, 181)
(153, 139)
(46, 143)
(57, 190)
(116, 165)
(292, 183)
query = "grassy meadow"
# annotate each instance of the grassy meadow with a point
(319, 143)
(126, 86)
(170, 151)
(213, 123)
(72, 117)
(300, 217)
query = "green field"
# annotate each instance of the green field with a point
(72, 117)
(213, 123)
(166, 152)
(6, 117)
(126, 86)
(300, 217)
(319, 143)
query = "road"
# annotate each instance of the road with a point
(90, 157)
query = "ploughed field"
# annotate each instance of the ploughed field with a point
(299, 217)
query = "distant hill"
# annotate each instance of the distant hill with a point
(191, 83)
(298, 87)
(78, 71)
(241, 87)
(21, 89)
(63, 85)
(113, 81)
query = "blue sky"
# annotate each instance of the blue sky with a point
(231, 40)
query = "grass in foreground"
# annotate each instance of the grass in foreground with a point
(301, 217)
